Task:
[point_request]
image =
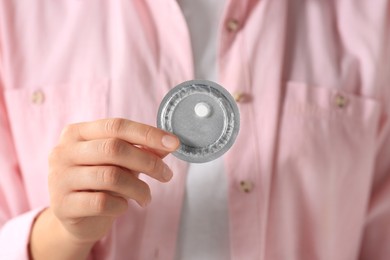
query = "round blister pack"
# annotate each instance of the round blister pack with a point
(204, 116)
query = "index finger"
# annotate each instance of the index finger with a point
(127, 130)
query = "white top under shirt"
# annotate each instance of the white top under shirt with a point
(204, 228)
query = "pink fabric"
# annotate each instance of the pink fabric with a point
(16, 232)
(320, 171)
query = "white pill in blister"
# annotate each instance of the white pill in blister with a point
(202, 109)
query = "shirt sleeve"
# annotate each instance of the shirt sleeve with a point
(14, 236)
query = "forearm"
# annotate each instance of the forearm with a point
(49, 240)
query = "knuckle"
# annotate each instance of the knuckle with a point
(55, 155)
(109, 175)
(114, 126)
(52, 178)
(148, 135)
(112, 147)
(57, 204)
(99, 202)
(68, 131)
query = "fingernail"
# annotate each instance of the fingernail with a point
(169, 141)
(167, 173)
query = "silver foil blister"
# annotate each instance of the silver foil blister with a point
(204, 116)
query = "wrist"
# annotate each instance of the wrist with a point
(50, 240)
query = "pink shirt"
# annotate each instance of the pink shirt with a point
(309, 174)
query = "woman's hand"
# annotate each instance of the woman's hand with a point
(94, 172)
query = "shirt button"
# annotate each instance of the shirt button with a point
(340, 101)
(232, 25)
(38, 97)
(246, 186)
(241, 97)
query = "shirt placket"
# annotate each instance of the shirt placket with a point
(247, 193)
(175, 66)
